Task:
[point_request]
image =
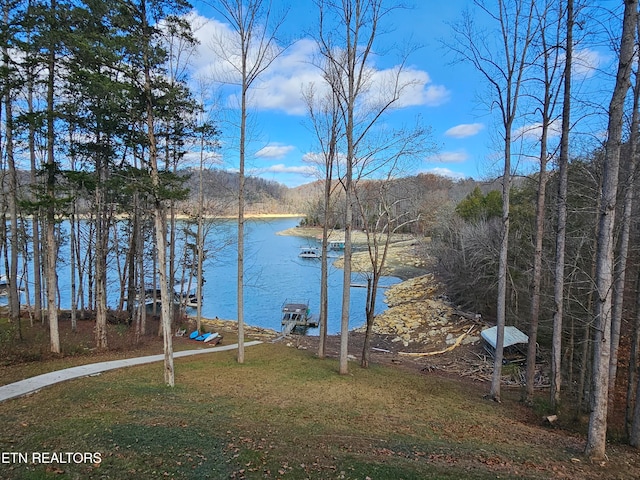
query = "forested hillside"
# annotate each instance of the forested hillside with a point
(220, 189)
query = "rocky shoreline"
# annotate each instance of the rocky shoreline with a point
(419, 315)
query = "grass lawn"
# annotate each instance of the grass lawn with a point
(286, 414)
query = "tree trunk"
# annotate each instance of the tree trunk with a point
(165, 297)
(597, 432)
(13, 293)
(550, 66)
(141, 312)
(200, 236)
(324, 277)
(324, 269)
(35, 221)
(346, 278)
(132, 259)
(159, 213)
(561, 229)
(72, 264)
(625, 234)
(536, 279)
(632, 417)
(102, 232)
(52, 244)
(501, 308)
(240, 287)
(369, 312)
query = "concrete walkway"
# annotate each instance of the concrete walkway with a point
(34, 384)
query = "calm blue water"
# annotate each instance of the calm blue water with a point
(273, 274)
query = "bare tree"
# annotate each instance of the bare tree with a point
(550, 39)
(382, 219)
(254, 49)
(561, 227)
(381, 202)
(597, 432)
(347, 33)
(324, 119)
(51, 241)
(148, 63)
(503, 64)
(30, 80)
(620, 274)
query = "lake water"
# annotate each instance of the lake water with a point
(273, 273)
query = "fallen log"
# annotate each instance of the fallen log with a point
(476, 317)
(448, 349)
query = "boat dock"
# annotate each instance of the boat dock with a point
(297, 314)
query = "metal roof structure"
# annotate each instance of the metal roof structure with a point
(512, 336)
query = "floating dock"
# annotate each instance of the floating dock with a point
(297, 314)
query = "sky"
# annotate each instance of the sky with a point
(447, 95)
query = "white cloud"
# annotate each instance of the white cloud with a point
(280, 86)
(449, 157)
(464, 130)
(192, 159)
(416, 88)
(282, 168)
(435, 95)
(318, 161)
(313, 158)
(445, 172)
(275, 150)
(587, 62)
(209, 33)
(533, 131)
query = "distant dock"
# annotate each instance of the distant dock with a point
(297, 314)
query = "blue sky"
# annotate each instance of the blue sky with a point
(446, 96)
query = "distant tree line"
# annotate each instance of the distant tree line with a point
(426, 198)
(262, 196)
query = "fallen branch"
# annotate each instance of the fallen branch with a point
(376, 349)
(448, 349)
(475, 317)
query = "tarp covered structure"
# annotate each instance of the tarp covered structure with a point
(512, 336)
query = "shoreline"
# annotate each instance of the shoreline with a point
(182, 216)
(404, 260)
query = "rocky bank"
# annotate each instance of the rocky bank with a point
(419, 318)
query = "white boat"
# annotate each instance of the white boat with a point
(309, 252)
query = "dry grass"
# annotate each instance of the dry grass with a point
(286, 414)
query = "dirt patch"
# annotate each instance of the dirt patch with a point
(422, 330)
